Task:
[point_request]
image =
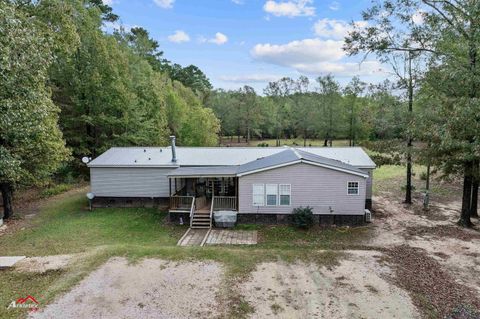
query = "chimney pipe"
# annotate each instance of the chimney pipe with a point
(174, 150)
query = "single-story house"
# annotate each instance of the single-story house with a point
(262, 184)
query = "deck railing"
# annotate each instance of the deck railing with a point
(224, 203)
(181, 202)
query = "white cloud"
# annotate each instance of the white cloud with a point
(109, 26)
(179, 36)
(292, 8)
(418, 17)
(109, 2)
(314, 56)
(166, 4)
(238, 1)
(297, 52)
(250, 78)
(219, 39)
(334, 6)
(336, 29)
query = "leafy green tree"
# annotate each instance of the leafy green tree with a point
(31, 144)
(330, 108)
(353, 92)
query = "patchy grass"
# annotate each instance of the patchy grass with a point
(56, 189)
(282, 236)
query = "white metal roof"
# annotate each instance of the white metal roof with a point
(217, 156)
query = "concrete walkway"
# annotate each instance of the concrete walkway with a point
(9, 261)
(193, 237)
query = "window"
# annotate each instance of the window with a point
(271, 191)
(284, 190)
(352, 188)
(258, 195)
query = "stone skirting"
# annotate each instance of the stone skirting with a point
(285, 219)
(130, 202)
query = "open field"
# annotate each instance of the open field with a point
(342, 272)
(227, 141)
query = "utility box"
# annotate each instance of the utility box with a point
(225, 218)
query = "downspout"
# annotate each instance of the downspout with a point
(174, 150)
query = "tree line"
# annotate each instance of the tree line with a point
(68, 89)
(291, 108)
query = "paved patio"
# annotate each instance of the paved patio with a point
(200, 237)
(232, 237)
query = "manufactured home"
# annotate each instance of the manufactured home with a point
(260, 184)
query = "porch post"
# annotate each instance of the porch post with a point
(236, 192)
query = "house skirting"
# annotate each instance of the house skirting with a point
(286, 219)
(131, 202)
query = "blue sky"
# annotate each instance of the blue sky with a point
(238, 42)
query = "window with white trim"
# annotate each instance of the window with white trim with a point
(271, 191)
(285, 194)
(352, 188)
(258, 195)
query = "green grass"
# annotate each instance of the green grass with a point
(394, 171)
(66, 226)
(290, 142)
(56, 189)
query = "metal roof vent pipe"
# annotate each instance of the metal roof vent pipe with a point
(174, 149)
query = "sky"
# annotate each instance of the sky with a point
(252, 42)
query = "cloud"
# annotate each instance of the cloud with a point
(219, 39)
(313, 56)
(334, 6)
(166, 4)
(292, 8)
(336, 29)
(238, 1)
(179, 36)
(109, 26)
(250, 78)
(109, 2)
(297, 52)
(418, 17)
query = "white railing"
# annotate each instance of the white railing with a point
(211, 209)
(192, 209)
(181, 203)
(224, 203)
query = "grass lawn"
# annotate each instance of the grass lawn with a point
(66, 226)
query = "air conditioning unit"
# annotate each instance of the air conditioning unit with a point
(368, 216)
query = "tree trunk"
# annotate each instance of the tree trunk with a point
(7, 192)
(475, 184)
(408, 190)
(305, 138)
(466, 197)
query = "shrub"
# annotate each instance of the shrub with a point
(263, 144)
(303, 217)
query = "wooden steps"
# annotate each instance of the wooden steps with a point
(201, 219)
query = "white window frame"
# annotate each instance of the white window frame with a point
(348, 188)
(267, 193)
(289, 194)
(254, 203)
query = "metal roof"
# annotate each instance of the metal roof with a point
(218, 156)
(291, 156)
(204, 171)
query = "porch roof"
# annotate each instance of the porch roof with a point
(204, 171)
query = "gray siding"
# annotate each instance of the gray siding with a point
(129, 182)
(369, 181)
(313, 186)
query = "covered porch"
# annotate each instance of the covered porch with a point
(202, 191)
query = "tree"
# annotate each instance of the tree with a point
(331, 102)
(353, 91)
(31, 144)
(449, 31)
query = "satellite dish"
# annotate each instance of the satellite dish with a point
(90, 196)
(85, 160)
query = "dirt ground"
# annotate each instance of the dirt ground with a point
(354, 289)
(152, 288)
(435, 231)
